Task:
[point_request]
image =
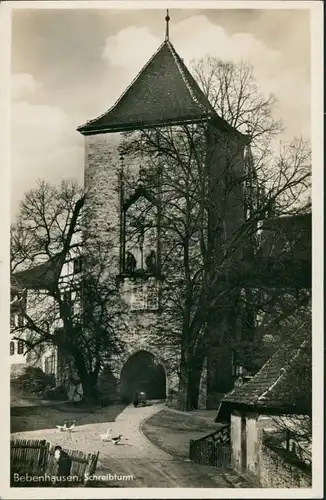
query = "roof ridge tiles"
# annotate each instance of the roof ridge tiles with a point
(182, 72)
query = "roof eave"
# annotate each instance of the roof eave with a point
(223, 124)
(127, 127)
(227, 407)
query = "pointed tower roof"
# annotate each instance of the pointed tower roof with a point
(163, 93)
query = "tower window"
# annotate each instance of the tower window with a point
(20, 347)
(12, 348)
(139, 234)
(78, 264)
(49, 365)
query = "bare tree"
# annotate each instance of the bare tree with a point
(210, 211)
(72, 311)
(234, 93)
(296, 428)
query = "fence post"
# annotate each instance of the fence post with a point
(191, 444)
(43, 455)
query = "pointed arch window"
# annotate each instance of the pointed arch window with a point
(140, 235)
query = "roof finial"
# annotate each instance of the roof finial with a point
(167, 19)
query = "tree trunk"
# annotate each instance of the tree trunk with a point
(190, 375)
(88, 380)
(196, 373)
(90, 392)
(184, 399)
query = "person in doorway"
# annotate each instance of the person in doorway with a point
(135, 399)
(63, 466)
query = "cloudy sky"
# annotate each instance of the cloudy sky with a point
(70, 66)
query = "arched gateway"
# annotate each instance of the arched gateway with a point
(143, 372)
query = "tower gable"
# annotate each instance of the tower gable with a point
(163, 93)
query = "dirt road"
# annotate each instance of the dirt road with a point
(135, 461)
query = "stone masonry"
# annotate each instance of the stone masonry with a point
(102, 166)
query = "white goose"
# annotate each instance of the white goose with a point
(63, 427)
(107, 435)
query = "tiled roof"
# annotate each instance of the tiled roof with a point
(281, 386)
(37, 277)
(163, 93)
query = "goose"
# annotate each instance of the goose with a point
(72, 427)
(106, 436)
(63, 427)
(116, 439)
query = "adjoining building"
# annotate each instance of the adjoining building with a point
(270, 414)
(29, 294)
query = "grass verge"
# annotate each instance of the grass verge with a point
(48, 417)
(172, 431)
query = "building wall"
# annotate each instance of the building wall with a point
(270, 468)
(17, 369)
(139, 337)
(17, 359)
(101, 179)
(236, 440)
(102, 164)
(252, 443)
(226, 165)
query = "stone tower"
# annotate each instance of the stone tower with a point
(164, 95)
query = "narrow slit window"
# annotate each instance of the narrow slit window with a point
(20, 347)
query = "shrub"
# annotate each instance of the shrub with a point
(35, 381)
(58, 393)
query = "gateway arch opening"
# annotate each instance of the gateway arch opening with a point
(141, 373)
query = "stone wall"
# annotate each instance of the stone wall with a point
(273, 468)
(277, 471)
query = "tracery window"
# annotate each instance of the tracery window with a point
(140, 235)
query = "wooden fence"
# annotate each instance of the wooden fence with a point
(36, 458)
(82, 464)
(29, 456)
(213, 449)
